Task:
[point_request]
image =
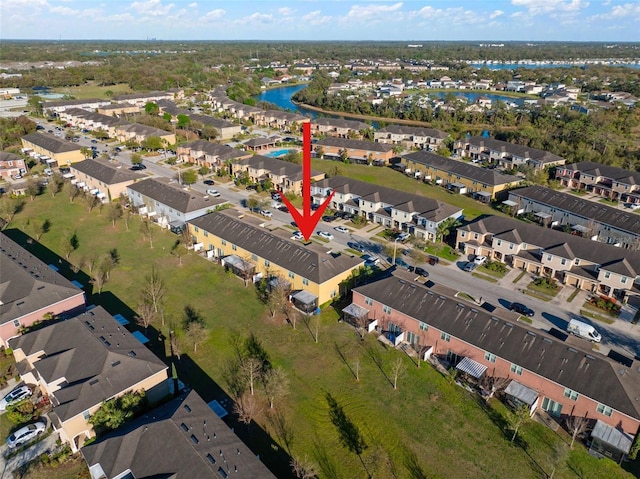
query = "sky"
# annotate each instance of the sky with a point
(408, 20)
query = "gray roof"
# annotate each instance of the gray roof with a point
(105, 172)
(476, 173)
(622, 220)
(96, 117)
(591, 375)
(340, 123)
(181, 439)
(169, 193)
(609, 257)
(598, 169)
(355, 144)
(223, 152)
(276, 166)
(211, 121)
(51, 143)
(136, 96)
(145, 130)
(97, 357)
(27, 284)
(517, 150)
(312, 261)
(92, 101)
(414, 131)
(8, 156)
(284, 115)
(253, 142)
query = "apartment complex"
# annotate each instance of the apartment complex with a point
(602, 180)
(104, 179)
(212, 155)
(357, 151)
(61, 151)
(411, 137)
(284, 175)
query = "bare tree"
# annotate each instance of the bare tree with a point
(33, 189)
(71, 191)
(92, 201)
(99, 280)
(251, 369)
(495, 384)
(9, 207)
(397, 370)
(247, 407)
(356, 369)
(276, 385)
(576, 425)
(55, 185)
(146, 314)
(146, 228)
(154, 289)
(277, 298)
(174, 343)
(558, 455)
(293, 316)
(196, 334)
(517, 418)
(302, 468)
(126, 217)
(315, 327)
(114, 213)
(41, 228)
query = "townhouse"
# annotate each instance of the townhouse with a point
(602, 180)
(587, 218)
(505, 154)
(54, 108)
(49, 147)
(542, 371)
(338, 127)
(141, 99)
(225, 129)
(411, 137)
(284, 175)
(312, 272)
(358, 151)
(418, 215)
(571, 260)
(30, 289)
(281, 120)
(168, 203)
(83, 361)
(139, 133)
(119, 109)
(105, 180)
(11, 165)
(459, 177)
(91, 120)
(182, 438)
(214, 156)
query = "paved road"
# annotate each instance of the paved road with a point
(7, 466)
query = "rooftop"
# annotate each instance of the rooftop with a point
(169, 193)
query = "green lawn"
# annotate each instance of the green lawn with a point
(428, 427)
(93, 91)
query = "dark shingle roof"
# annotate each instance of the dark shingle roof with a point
(312, 262)
(181, 439)
(355, 144)
(51, 143)
(28, 284)
(414, 131)
(223, 152)
(340, 123)
(590, 375)
(97, 357)
(95, 117)
(105, 172)
(483, 175)
(211, 121)
(145, 130)
(517, 150)
(598, 169)
(170, 194)
(276, 166)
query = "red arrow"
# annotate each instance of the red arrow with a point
(306, 220)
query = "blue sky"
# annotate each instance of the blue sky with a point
(409, 20)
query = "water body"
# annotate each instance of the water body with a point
(534, 66)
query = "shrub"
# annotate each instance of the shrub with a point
(546, 283)
(22, 412)
(496, 266)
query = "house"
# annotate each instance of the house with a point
(358, 151)
(313, 272)
(338, 127)
(63, 152)
(418, 215)
(169, 204)
(586, 218)
(284, 175)
(139, 133)
(225, 129)
(281, 120)
(183, 438)
(602, 180)
(83, 361)
(505, 154)
(563, 379)
(105, 180)
(29, 289)
(90, 120)
(457, 176)
(53, 108)
(259, 144)
(119, 109)
(212, 155)
(11, 165)
(141, 99)
(411, 137)
(571, 260)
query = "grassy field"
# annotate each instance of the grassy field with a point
(427, 427)
(90, 90)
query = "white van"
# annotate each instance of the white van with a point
(584, 330)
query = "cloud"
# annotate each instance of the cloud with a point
(538, 7)
(193, 5)
(369, 12)
(256, 17)
(316, 18)
(215, 14)
(152, 8)
(496, 14)
(285, 11)
(626, 10)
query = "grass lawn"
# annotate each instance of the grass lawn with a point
(442, 251)
(427, 427)
(72, 467)
(543, 291)
(90, 90)
(596, 314)
(485, 277)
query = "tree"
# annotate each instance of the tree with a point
(9, 207)
(183, 121)
(576, 425)
(145, 315)
(204, 170)
(146, 227)
(397, 370)
(179, 250)
(69, 243)
(209, 132)
(41, 228)
(154, 289)
(99, 279)
(55, 185)
(277, 297)
(517, 418)
(151, 108)
(71, 191)
(276, 384)
(174, 344)
(196, 334)
(251, 369)
(86, 152)
(152, 143)
(92, 201)
(446, 227)
(33, 188)
(114, 412)
(136, 158)
(189, 177)
(114, 213)
(247, 407)
(302, 468)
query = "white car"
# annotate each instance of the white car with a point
(479, 260)
(403, 236)
(212, 192)
(325, 235)
(26, 434)
(266, 213)
(341, 229)
(16, 395)
(297, 236)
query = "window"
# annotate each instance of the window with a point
(386, 309)
(368, 301)
(267, 263)
(516, 369)
(305, 281)
(291, 275)
(206, 233)
(234, 247)
(510, 245)
(623, 280)
(563, 261)
(423, 326)
(16, 323)
(254, 257)
(86, 415)
(576, 261)
(571, 394)
(548, 257)
(224, 242)
(607, 275)
(606, 410)
(196, 229)
(333, 293)
(462, 234)
(499, 242)
(445, 337)
(490, 357)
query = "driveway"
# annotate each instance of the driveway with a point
(7, 466)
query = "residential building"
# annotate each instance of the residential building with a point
(61, 151)
(90, 120)
(183, 438)
(242, 243)
(212, 155)
(358, 151)
(505, 154)
(281, 120)
(259, 144)
(225, 128)
(562, 378)
(104, 179)
(603, 180)
(391, 208)
(411, 137)
(284, 175)
(29, 289)
(458, 176)
(139, 133)
(83, 361)
(586, 218)
(119, 109)
(11, 165)
(53, 108)
(338, 127)
(141, 99)
(168, 203)
(571, 260)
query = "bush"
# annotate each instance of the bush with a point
(546, 283)
(22, 412)
(496, 266)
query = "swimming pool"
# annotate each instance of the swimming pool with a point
(276, 153)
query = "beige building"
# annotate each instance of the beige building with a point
(284, 175)
(139, 133)
(106, 180)
(63, 152)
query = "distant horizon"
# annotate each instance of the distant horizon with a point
(544, 21)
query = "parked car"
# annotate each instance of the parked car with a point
(94, 141)
(479, 260)
(283, 208)
(371, 261)
(209, 182)
(325, 234)
(404, 236)
(341, 229)
(276, 196)
(26, 434)
(251, 187)
(470, 266)
(357, 246)
(17, 177)
(433, 260)
(266, 213)
(584, 330)
(14, 396)
(297, 236)
(328, 219)
(212, 192)
(421, 272)
(522, 309)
